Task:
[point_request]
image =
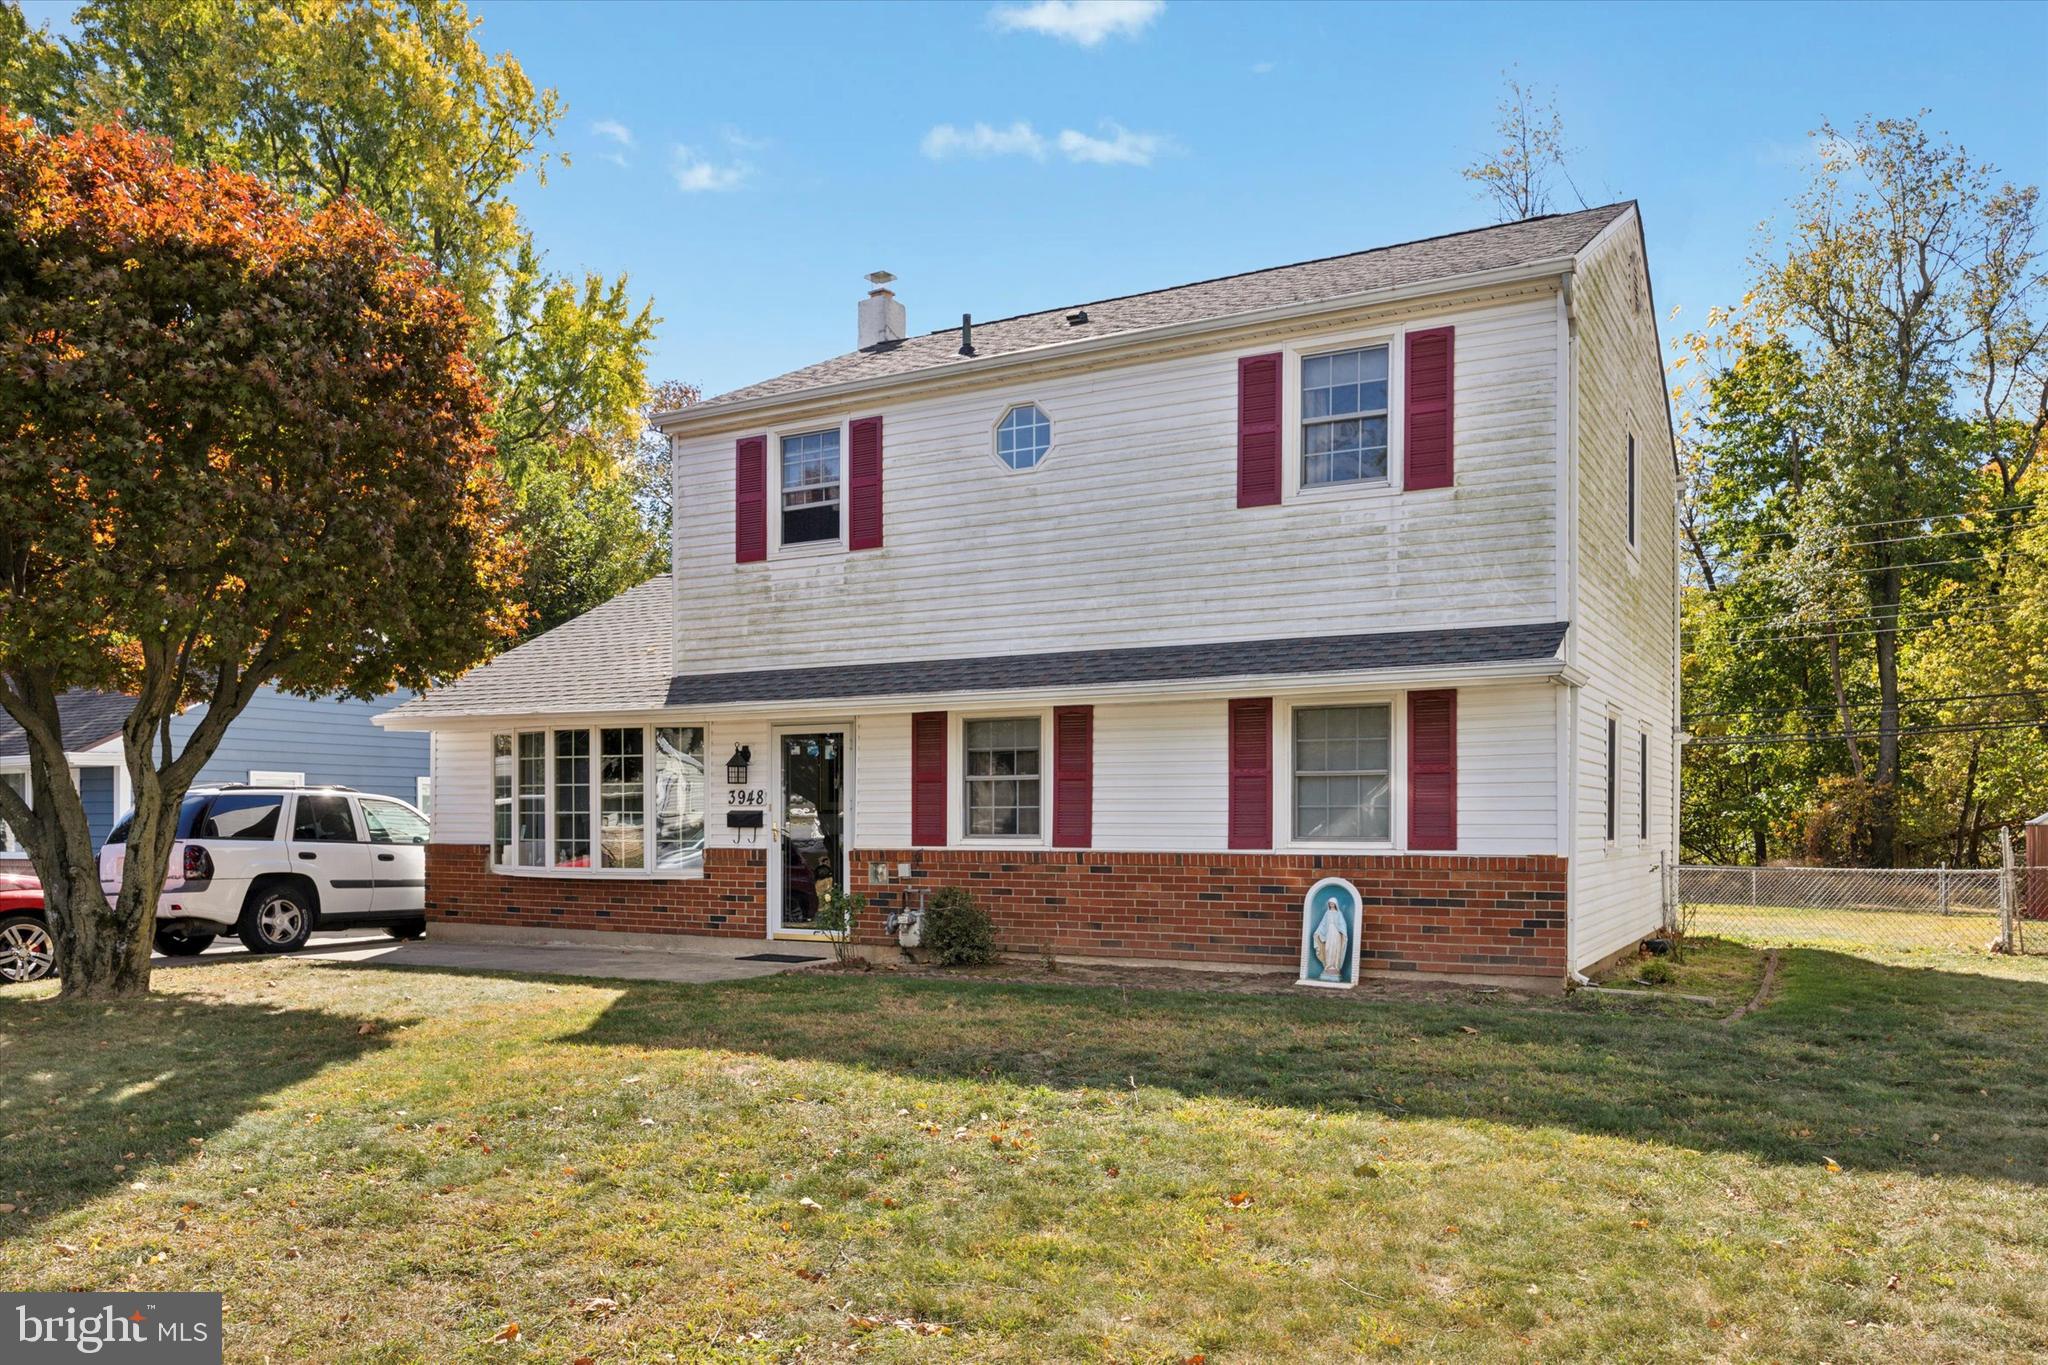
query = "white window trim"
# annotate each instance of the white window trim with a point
(995, 430)
(1397, 772)
(1645, 822)
(1291, 357)
(1610, 777)
(1632, 496)
(647, 872)
(956, 779)
(808, 549)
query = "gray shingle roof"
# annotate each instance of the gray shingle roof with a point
(88, 718)
(1099, 667)
(1410, 263)
(612, 658)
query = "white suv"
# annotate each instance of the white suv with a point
(273, 863)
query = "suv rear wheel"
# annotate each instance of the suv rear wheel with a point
(276, 918)
(27, 953)
(182, 942)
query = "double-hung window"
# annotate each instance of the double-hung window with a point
(622, 798)
(1343, 766)
(810, 487)
(599, 799)
(572, 798)
(1003, 777)
(1344, 417)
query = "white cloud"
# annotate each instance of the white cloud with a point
(1121, 146)
(1019, 139)
(1262, 68)
(1084, 22)
(694, 174)
(616, 133)
(1118, 146)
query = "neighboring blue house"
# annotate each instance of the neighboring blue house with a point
(278, 739)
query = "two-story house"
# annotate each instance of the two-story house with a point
(1136, 618)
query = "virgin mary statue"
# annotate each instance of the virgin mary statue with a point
(1332, 942)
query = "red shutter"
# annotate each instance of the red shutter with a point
(750, 500)
(1258, 430)
(864, 484)
(1429, 406)
(928, 779)
(1073, 776)
(1433, 769)
(1251, 772)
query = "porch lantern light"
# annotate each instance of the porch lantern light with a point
(736, 766)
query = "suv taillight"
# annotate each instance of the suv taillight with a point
(198, 864)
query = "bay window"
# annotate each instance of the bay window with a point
(572, 798)
(622, 809)
(588, 799)
(679, 798)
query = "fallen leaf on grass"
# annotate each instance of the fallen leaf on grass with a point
(597, 1306)
(809, 1203)
(1467, 1028)
(507, 1334)
(1241, 1199)
(806, 1273)
(365, 1029)
(1834, 1165)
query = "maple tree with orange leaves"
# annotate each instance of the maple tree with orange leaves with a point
(240, 444)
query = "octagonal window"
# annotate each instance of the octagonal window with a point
(1023, 436)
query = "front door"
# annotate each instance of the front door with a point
(813, 853)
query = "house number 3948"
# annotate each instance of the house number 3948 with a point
(754, 796)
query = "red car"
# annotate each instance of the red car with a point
(26, 950)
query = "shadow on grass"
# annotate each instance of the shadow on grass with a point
(90, 1093)
(1874, 1066)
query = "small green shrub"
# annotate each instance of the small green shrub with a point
(838, 917)
(1654, 971)
(957, 932)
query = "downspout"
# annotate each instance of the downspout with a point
(1569, 533)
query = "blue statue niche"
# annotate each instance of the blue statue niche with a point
(1329, 934)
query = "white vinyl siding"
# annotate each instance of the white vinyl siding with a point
(1622, 622)
(1136, 518)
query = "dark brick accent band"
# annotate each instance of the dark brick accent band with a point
(1445, 913)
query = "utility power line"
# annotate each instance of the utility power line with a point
(1970, 727)
(1870, 705)
(1915, 521)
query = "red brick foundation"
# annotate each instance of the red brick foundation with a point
(730, 899)
(1422, 913)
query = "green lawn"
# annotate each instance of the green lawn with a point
(1890, 935)
(394, 1165)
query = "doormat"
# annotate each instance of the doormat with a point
(777, 957)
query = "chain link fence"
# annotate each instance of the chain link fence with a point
(1849, 908)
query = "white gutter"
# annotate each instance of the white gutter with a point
(1197, 689)
(974, 370)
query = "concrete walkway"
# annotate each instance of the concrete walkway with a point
(695, 961)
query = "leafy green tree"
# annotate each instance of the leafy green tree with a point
(246, 445)
(1860, 432)
(392, 103)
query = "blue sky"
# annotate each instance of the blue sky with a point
(748, 164)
